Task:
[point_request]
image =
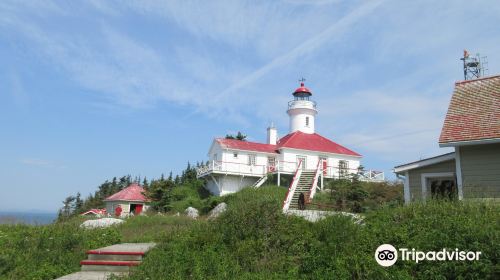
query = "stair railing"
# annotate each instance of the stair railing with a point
(293, 187)
(314, 186)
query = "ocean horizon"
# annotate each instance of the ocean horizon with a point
(27, 217)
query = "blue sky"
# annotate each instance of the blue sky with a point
(95, 89)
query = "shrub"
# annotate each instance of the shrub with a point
(254, 240)
(50, 251)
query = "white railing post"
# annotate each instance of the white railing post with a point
(292, 188)
(314, 186)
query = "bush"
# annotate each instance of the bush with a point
(50, 251)
(254, 240)
(357, 196)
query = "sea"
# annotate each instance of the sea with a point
(30, 218)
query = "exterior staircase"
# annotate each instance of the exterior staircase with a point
(304, 181)
(115, 259)
(304, 186)
(260, 182)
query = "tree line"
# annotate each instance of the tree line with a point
(159, 191)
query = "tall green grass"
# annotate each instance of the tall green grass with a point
(153, 228)
(254, 240)
(49, 251)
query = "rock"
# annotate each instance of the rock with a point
(101, 223)
(219, 209)
(192, 212)
(316, 215)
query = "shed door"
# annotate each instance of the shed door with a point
(138, 209)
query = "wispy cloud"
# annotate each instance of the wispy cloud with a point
(307, 46)
(384, 68)
(40, 163)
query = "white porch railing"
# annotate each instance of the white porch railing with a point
(231, 167)
(287, 167)
(371, 176)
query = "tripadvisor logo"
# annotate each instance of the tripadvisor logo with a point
(387, 255)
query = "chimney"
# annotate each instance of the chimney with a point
(272, 134)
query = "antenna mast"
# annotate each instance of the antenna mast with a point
(474, 67)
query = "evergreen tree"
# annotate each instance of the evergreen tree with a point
(240, 136)
(77, 205)
(65, 212)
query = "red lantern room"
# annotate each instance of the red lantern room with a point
(302, 93)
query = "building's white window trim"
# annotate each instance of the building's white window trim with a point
(425, 176)
(406, 186)
(251, 159)
(458, 169)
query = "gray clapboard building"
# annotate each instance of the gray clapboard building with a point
(472, 128)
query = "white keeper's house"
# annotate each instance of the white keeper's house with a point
(235, 164)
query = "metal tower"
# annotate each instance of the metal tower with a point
(474, 67)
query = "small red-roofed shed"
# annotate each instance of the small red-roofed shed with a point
(131, 199)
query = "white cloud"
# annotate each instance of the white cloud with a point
(383, 71)
(40, 163)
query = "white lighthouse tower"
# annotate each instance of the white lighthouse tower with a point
(302, 110)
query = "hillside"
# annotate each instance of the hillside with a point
(254, 240)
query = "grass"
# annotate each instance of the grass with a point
(254, 240)
(153, 228)
(49, 251)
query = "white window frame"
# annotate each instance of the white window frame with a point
(252, 159)
(425, 176)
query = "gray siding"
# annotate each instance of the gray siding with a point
(481, 170)
(415, 176)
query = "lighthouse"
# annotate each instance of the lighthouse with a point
(302, 110)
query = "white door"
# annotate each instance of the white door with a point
(304, 161)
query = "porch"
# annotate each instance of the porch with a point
(283, 167)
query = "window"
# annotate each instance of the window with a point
(343, 168)
(235, 155)
(251, 159)
(215, 156)
(307, 121)
(271, 164)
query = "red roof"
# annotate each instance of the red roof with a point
(296, 140)
(302, 88)
(474, 111)
(246, 145)
(134, 192)
(313, 142)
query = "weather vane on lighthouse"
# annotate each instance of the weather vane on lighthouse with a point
(302, 80)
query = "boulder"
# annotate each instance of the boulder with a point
(101, 223)
(219, 209)
(192, 212)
